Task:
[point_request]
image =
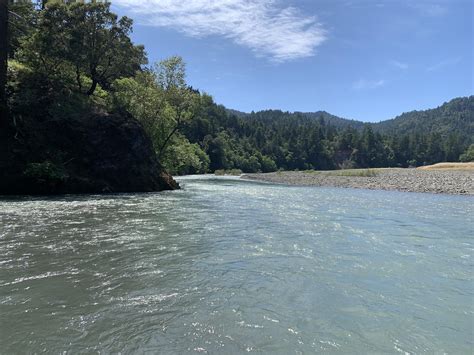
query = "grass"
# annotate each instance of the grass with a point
(312, 171)
(355, 172)
(343, 172)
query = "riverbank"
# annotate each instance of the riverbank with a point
(449, 181)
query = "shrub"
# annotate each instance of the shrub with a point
(222, 172)
(468, 155)
(45, 171)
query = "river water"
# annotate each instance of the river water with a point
(232, 266)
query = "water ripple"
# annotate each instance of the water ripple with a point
(231, 266)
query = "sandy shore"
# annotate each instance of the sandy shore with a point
(450, 181)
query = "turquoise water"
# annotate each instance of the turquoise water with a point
(230, 266)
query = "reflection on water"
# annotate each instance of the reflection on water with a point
(227, 266)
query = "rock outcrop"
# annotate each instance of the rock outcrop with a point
(99, 153)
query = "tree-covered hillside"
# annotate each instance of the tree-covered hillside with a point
(273, 139)
(335, 121)
(455, 116)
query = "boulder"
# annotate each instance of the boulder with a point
(96, 153)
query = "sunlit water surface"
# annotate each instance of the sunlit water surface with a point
(229, 266)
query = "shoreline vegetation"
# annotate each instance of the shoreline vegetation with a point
(446, 178)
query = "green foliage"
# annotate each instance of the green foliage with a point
(67, 58)
(22, 21)
(143, 99)
(45, 171)
(32, 94)
(180, 101)
(184, 158)
(84, 44)
(267, 164)
(468, 155)
(163, 103)
(455, 116)
(273, 140)
(233, 172)
(172, 76)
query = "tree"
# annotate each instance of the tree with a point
(88, 42)
(143, 99)
(172, 75)
(434, 152)
(100, 46)
(22, 19)
(468, 155)
(181, 102)
(163, 103)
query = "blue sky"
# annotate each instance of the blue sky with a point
(363, 59)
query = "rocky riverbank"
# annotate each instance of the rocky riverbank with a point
(94, 153)
(452, 181)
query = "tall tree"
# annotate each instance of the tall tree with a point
(86, 39)
(100, 46)
(181, 100)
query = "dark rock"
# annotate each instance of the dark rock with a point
(97, 153)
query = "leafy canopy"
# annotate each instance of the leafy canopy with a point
(87, 41)
(161, 100)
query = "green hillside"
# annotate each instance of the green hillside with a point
(453, 117)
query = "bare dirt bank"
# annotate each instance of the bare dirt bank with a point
(450, 181)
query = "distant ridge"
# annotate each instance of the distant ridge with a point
(333, 120)
(456, 115)
(236, 112)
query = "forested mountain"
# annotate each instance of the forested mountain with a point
(273, 139)
(455, 116)
(335, 121)
(236, 112)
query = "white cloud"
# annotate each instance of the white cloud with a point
(264, 26)
(443, 64)
(399, 65)
(364, 84)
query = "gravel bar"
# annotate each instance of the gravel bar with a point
(458, 182)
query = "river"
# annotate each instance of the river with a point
(229, 266)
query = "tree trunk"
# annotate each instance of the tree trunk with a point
(162, 148)
(92, 88)
(3, 59)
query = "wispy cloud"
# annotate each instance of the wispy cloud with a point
(281, 33)
(399, 65)
(444, 63)
(363, 84)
